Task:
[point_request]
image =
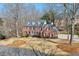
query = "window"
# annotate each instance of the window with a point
(33, 23)
(28, 23)
(44, 22)
(39, 23)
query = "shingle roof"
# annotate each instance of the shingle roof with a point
(35, 22)
(41, 23)
(51, 26)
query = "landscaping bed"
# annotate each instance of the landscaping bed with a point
(17, 43)
(48, 46)
(74, 48)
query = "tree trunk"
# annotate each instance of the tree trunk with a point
(17, 30)
(72, 22)
(17, 24)
(72, 31)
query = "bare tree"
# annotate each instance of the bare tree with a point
(66, 18)
(13, 13)
(72, 12)
(17, 14)
(33, 13)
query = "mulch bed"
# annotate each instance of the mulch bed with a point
(17, 43)
(74, 48)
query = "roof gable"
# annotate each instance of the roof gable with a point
(51, 26)
(35, 22)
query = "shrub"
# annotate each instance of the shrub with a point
(2, 36)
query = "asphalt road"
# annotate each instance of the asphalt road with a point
(11, 51)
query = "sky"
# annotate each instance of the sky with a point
(1, 6)
(38, 6)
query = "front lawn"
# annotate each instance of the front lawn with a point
(50, 46)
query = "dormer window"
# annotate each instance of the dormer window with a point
(33, 23)
(39, 23)
(44, 22)
(28, 23)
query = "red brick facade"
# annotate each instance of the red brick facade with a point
(42, 32)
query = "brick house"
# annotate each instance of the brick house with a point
(39, 28)
(49, 31)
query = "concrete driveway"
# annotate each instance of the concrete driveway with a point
(65, 36)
